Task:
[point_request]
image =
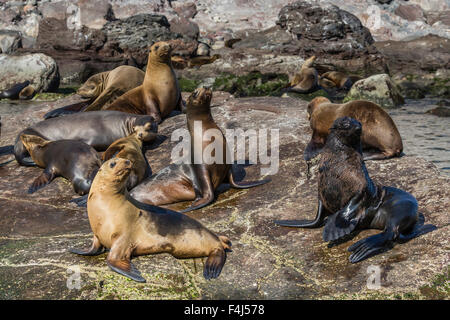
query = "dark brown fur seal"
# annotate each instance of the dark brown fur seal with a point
(350, 201)
(72, 159)
(159, 94)
(131, 229)
(187, 182)
(102, 89)
(380, 137)
(98, 129)
(13, 92)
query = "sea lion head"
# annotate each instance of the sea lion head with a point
(200, 99)
(348, 131)
(160, 51)
(27, 93)
(312, 106)
(115, 171)
(92, 87)
(145, 128)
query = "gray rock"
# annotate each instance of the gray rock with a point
(39, 69)
(10, 41)
(379, 89)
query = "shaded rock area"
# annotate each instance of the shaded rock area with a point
(267, 262)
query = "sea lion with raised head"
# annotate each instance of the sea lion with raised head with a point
(380, 137)
(72, 159)
(102, 89)
(130, 229)
(192, 182)
(306, 80)
(349, 201)
(160, 93)
(98, 129)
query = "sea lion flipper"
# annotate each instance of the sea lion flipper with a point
(44, 179)
(244, 185)
(214, 264)
(316, 223)
(6, 150)
(343, 222)
(371, 246)
(112, 151)
(80, 201)
(95, 249)
(125, 268)
(70, 109)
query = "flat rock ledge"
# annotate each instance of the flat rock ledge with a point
(267, 262)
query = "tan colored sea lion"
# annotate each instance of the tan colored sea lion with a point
(102, 89)
(131, 229)
(336, 79)
(27, 93)
(194, 181)
(72, 159)
(160, 93)
(306, 80)
(379, 130)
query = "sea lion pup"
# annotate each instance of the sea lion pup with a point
(102, 89)
(380, 137)
(306, 80)
(131, 229)
(98, 129)
(160, 93)
(72, 159)
(336, 79)
(350, 201)
(197, 182)
(13, 92)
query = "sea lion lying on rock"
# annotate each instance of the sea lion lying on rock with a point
(14, 92)
(380, 137)
(306, 80)
(349, 201)
(132, 229)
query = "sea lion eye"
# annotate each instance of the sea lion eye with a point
(112, 164)
(156, 48)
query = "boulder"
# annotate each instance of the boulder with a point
(379, 89)
(10, 41)
(40, 69)
(410, 12)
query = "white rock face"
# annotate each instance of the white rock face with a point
(40, 69)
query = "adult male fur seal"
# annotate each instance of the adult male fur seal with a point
(98, 129)
(131, 229)
(160, 93)
(192, 181)
(72, 159)
(306, 80)
(380, 137)
(102, 89)
(350, 201)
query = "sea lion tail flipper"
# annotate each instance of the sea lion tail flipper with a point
(44, 179)
(80, 201)
(316, 223)
(214, 263)
(418, 230)
(244, 185)
(125, 268)
(95, 249)
(199, 203)
(371, 246)
(6, 150)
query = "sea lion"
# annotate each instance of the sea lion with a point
(380, 137)
(306, 80)
(350, 201)
(159, 94)
(131, 229)
(102, 89)
(336, 79)
(98, 129)
(201, 60)
(27, 93)
(13, 92)
(198, 182)
(72, 159)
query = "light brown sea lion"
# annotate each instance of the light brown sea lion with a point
(336, 79)
(201, 60)
(160, 93)
(131, 229)
(72, 159)
(187, 182)
(379, 130)
(306, 80)
(349, 201)
(102, 89)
